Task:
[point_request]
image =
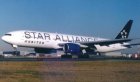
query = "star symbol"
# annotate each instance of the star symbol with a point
(124, 34)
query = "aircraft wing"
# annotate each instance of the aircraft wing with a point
(101, 43)
(105, 42)
(130, 45)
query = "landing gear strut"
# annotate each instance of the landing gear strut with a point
(15, 50)
(98, 54)
(66, 55)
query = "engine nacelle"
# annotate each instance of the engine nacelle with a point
(72, 48)
(45, 50)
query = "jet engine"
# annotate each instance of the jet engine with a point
(72, 48)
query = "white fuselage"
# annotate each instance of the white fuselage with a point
(35, 39)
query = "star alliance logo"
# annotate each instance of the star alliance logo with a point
(124, 34)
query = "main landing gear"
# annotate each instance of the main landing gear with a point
(66, 55)
(83, 56)
(76, 55)
(73, 56)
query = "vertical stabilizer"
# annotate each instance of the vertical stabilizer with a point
(124, 33)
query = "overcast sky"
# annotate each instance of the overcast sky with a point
(101, 18)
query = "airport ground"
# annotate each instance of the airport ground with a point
(70, 71)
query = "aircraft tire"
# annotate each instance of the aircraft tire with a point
(66, 56)
(83, 56)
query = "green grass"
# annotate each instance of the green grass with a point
(20, 72)
(70, 71)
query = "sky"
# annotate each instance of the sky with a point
(101, 18)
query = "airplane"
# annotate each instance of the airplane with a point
(44, 42)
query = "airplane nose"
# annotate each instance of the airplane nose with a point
(3, 38)
(6, 38)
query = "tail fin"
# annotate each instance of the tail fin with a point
(124, 33)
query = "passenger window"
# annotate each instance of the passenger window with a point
(8, 34)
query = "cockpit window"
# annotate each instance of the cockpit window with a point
(8, 34)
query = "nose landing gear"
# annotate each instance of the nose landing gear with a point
(16, 52)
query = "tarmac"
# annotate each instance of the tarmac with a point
(69, 59)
